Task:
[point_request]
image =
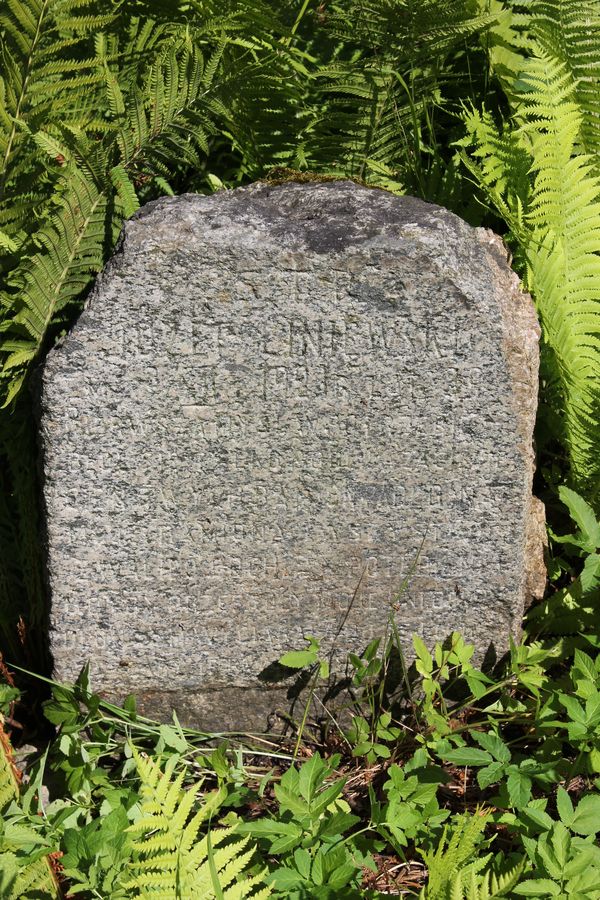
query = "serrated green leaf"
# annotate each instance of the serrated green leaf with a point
(519, 788)
(537, 887)
(490, 775)
(564, 807)
(586, 818)
(468, 756)
(493, 744)
(584, 517)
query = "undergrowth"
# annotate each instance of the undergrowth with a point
(444, 782)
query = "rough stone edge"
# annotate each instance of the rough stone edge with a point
(520, 345)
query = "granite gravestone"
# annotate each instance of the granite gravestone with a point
(278, 402)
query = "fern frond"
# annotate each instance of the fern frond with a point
(9, 784)
(35, 76)
(373, 106)
(170, 859)
(50, 279)
(553, 210)
(567, 30)
(454, 852)
(20, 875)
(469, 884)
(125, 190)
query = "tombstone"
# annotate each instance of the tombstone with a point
(286, 410)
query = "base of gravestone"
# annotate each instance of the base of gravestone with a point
(277, 701)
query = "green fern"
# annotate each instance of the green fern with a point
(470, 884)
(375, 108)
(567, 31)
(94, 126)
(536, 175)
(67, 256)
(453, 853)
(170, 859)
(45, 67)
(9, 785)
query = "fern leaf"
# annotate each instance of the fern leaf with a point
(454, 851)
(34, 879)
(9, 783)
(19, 875)
(49, 279)
(469, 884)
(554, 213)
(171, 860)
(125, 190)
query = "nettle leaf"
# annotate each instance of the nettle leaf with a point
(493, 744)
(584, 517)
(537, 887)
(327, 797)
(490, 775)
(283, 836)
(289, 799)
(537, 817)
(564, 806)
(519, 788)
(337, 824)
(424, 661)
(574, 708)
(302, 859)
(310, 776)
(468, 756)
(586, 818)
(585, 664)
(561, 844)
(589, 578)
(285, 879)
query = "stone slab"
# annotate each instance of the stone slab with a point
(279, 401)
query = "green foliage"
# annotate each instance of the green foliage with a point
(308, 831)
(453, 853)
(572, 608)
(390, 72)
(169, 860)
(540, 168)
(144, 809)
(409, 811)
(25, 869)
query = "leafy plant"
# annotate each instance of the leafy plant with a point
(307, 832)
(25, 866)
(169, 859)
(573, 607)
(562, 867)
(539, 168)
(453, 853)
(411, 810)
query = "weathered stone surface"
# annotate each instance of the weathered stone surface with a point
(276, 401)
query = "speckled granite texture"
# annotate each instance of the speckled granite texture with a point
(278, 401)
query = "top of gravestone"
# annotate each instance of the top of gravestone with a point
(319, 217)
